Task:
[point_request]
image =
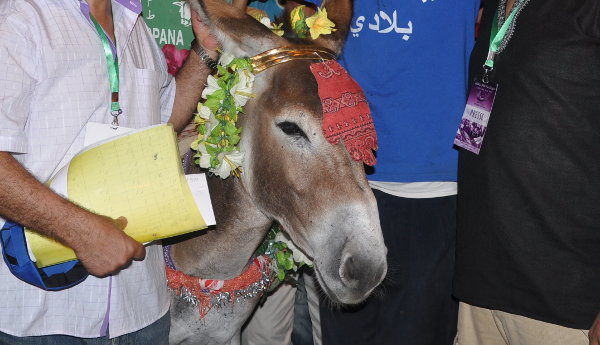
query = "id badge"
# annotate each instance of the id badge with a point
(476, 116)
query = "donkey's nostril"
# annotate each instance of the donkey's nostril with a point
(349, 272)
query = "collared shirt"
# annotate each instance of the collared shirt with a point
(53, 80)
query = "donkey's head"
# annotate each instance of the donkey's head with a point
(291, 172)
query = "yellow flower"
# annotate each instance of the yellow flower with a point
(319, 24)
(277, 29)
(297, 14)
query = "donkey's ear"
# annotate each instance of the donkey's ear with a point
(340, 13)
(237, 33)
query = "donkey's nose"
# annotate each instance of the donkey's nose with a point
(358, 272)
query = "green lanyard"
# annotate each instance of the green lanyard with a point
(498, 35)
(113, 74)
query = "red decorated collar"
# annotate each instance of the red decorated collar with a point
(209, 293)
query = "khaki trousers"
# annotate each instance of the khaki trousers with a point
(480, 326)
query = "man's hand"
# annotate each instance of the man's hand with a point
(595, 332)
(107, 249)
(203, 36)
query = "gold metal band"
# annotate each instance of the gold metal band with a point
(280, 55)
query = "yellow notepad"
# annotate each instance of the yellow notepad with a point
(138, 176)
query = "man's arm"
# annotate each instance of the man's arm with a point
(191, 78)
(99, 242)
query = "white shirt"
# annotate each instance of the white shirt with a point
(53, 80)
(416, 190)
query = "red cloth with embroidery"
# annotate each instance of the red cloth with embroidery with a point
(252, 274)
(346, 113)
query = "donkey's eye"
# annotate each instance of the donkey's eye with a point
(292, 129)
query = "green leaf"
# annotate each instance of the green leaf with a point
(234, 139)
(301, 29)
(211, 150)
(230, 128)
(280, 258)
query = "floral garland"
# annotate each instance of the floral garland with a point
(228, 91)
(224, 97)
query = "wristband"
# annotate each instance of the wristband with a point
(203, 55)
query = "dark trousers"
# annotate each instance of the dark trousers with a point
(414, 305)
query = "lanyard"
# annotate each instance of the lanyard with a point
(113, 74)
(498, 35)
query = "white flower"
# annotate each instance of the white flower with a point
(242, 91)
(266, 22)
(204, 111)
(226, 58)
(211, 86)
(204, 156)
(229, 162)
(297, 254)
(211, 120)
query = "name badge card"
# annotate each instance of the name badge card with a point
(475, 117)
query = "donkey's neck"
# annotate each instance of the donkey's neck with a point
(223, 252)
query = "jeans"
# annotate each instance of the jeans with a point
(154, 334)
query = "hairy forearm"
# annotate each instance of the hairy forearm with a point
(30, 203)
(98, 241)
(190, 82)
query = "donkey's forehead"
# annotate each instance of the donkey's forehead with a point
(293, 83)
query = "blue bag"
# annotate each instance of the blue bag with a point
(52, 278)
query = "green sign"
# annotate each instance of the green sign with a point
(169, 21)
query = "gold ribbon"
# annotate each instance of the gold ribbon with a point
(280, 55)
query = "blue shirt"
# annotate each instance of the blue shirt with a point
(410, 57)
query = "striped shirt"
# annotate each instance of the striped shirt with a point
(53, 80)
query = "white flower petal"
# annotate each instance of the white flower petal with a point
(205, 112)
(211, 86)
(226, 58)
(266, 21)
(204, 156)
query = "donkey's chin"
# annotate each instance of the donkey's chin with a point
(350, 284)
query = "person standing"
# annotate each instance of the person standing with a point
(528, 254)
(410, 57)
(54, 79)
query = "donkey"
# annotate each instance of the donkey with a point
(291, 175)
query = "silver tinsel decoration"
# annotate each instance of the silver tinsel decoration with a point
(223, 299)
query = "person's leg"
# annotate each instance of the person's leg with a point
(521, 330)
(272, 322)
(477, 326)
(156, 334)
(414, 305)
(6, 339)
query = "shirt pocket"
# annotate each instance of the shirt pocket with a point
(139, 96)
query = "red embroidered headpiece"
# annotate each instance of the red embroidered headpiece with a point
(346, 113)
